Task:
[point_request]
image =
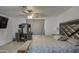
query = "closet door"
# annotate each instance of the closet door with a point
(37, 26)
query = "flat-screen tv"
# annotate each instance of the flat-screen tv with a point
(3, 22)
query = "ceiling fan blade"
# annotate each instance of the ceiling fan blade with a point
(25, 12)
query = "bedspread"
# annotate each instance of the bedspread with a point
(48, 44)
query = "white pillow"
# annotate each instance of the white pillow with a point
(57, 36)
(63, 38)
(74, 42)
(60, 37)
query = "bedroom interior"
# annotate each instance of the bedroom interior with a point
(39, 29)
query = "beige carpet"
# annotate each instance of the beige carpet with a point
(11, 47)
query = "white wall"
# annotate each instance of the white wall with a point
(5, 34)
(71, 14)
(15, 24)
(52, 23)
(51, 26)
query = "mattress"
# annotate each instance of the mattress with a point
(48, 44)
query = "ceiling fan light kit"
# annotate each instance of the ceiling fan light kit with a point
(29, 17)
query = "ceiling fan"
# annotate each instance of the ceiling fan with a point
(30, 11)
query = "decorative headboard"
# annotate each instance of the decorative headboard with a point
(70, 28)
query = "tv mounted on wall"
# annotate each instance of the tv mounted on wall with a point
(3, 22)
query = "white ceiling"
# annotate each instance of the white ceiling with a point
(45, 11)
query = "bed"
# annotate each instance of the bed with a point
(49, 44)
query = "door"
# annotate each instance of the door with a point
(37, 26)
